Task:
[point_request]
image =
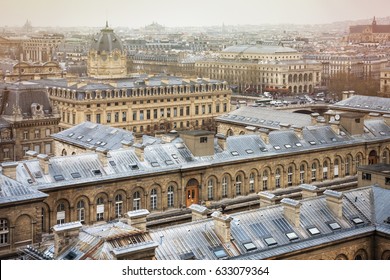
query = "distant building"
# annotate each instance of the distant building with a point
(260, 68)
(371, 33)
(41, 48)
(385, 82)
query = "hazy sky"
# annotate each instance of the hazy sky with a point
(170, 13)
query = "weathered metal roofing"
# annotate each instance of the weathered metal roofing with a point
(364, 103)
(266, 232)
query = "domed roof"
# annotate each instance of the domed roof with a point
(107, 41)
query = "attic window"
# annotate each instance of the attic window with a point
(234, 153)
(298, 144)
(322, 141)
(89, 140)
(292, 236)
(155, 164)
(249, 246)
(96, 172)
(220, 253)
(98, 142)
(112, 163)
(169, 162)
(313, 231)
(174, 156)
(249, 151)
(357, 221)
(80, 137)
(334, 226)
(103, 144)
(70, 134)
(270, 241)
(134, 166)
(277, 147)
(75, 175)
(263, 149)
(312, 142)
(58, 178)
(288, 146)
(382, 133)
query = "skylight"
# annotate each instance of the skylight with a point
(334, 226)
(174, 156)
(38, 174)
(80, 137)
(220, 253)
(270, 241)
(75, 175)
(58, 178)
(249, 151)
(112, 163)
(277, 147)
(70, 134)
(89, 139)
(134, 166)
(298, 144)
(96, 172)
(169, 162)
(292, 236)
(313, 231)
(288, 146)
(263, 149)
(234, 153)
(357, 221)
(155, 164)
(312, 142)
(249, 246)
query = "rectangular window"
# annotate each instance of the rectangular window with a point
(187, 110)
(7, 154)
(203, 139)
(366, 176)
(37, 148)
(196, 110)
(168, 112)
(108, 117)
(134, 116)
(148, 114)
(47, 148)
(98, 118)
(155, 114)
(48, 132)
(162, 112)
(124, 117)
(141, 115)
(116, 117)
(175, 112)
(25, 135)
(37, 134)
(88, 117)
(73, 118)
(181, 111)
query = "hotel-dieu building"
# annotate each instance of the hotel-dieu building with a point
(177, 170)
(139, 104)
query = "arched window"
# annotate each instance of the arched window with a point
(302, 174)
(170, 196)
(325, 170)
(336, 168)
(118, 205)
(100, 209)
(136, 201)
(290, 176)
(277, 178)
(238, 184)
(153, 199)
(347, 166)
(314, 171)
(60, 214)
(81, 211)
(265, 180)
(4, 231)
(358, 161)
(252, 182)
(225, 186)
(210, 189)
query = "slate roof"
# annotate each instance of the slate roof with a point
(12, 191)
(92, 135)
(364, 103)
(174, 156)
(258, 49)
(266, 118)
(250, 230)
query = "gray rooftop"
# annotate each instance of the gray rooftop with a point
(258, 49)
(364, 103)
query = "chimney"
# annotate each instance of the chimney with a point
(137, 218)
(31, 154)
(298, 131)
(374, 116)
(9, 169)
(139, 251)
(103, 155)
(198, 212)
(314, 117)
(44, 163)
(291, 210)
(139, 151)
(308, 190)
(334, 200)
(264, 134)
(222, 225)
(199, 142)
(64, 235)
(267, 199)
(221, 139)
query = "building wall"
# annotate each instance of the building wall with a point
(385, 82)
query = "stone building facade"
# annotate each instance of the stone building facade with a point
(41, 48)
(385, 82)
(263, 68)
(371, 33)
(27, 119)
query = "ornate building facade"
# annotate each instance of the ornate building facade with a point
(263, 68)
(41, 48)
(27, 119)
(371, 33)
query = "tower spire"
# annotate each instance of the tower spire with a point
(106, 23)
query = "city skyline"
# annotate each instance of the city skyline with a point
(175, 13)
